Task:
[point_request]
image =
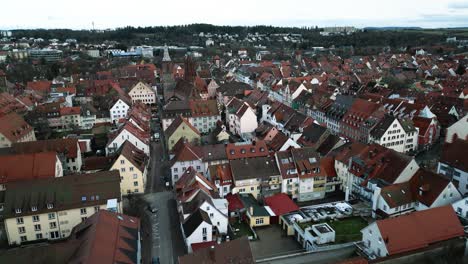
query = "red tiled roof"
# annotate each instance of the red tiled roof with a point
(419, 229)
(234, 202)
(281, 204)
(70, 110)
(67, 146)
(454, 154)
(198, 246)
(239, 151)
(107, 237)
(13, 127)
(27, 166)
(70, 90)
(39, 86)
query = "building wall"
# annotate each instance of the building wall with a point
(179, 167)
(248, 122)
(124, 136)
(64, 221)
(309, 190)
(183, 131)
(448, 196)
(259, 221)
(251, 186)
(5, 142)
(397, 139)
(460, 129)
(205, 124)
(142, 93)
(457, 175)
(132, 179)
(198, 237)
(71, 120)
(74, 164)
(290, 187)
(119, 110)
(373, 240)
(218, 219)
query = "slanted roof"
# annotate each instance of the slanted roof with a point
(66, 146)
(72, 191)
(419, 229)
(235, 251)
(253, 168)
(241, 150)
(13, 127)
(281, 204)
(427, 186)
(23, 167)
(136, 156)
(250, 202)
(454, 154)
(194, 221)
(178, 121)
(107, 237)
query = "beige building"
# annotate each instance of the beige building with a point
(132, 165)
(142, 93)
(181, 128)
(14, 129)
(48, 209)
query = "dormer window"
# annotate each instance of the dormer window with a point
(50, 206)
(83, 198)
(34, 208)
(232, 152)
(243, 151)
(18, 210)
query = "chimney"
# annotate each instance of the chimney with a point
(251, 210)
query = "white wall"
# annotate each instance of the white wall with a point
(119, 110)
(124, 136)
(373, 240)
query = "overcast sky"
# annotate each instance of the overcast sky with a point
(118, 13)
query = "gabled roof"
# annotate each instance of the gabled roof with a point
(13, 127)
(136, 156)
(241, 150)
(194, 221)
(427, 186)
(235, 251)
(253, 168)
(107, 237)
(71, 191)
(281, 204)
(66, 146)
(420, 229)
(179, 120)
(454, 154)
(20, 167)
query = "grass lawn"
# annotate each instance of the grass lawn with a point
(346, 230)
(243, 228)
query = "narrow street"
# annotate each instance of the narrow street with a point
(160, 230)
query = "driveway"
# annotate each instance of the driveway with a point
(272, 242)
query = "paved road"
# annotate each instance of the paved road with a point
(162, 228)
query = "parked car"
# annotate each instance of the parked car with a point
(152, 209)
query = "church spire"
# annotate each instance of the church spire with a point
(166, 57)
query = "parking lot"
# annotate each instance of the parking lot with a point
(273, 242)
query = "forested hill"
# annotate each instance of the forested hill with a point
(184, 35)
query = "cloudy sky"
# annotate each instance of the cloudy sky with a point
(117, 13)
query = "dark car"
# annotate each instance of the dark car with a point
(152, 209)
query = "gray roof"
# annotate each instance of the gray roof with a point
(252, 168)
